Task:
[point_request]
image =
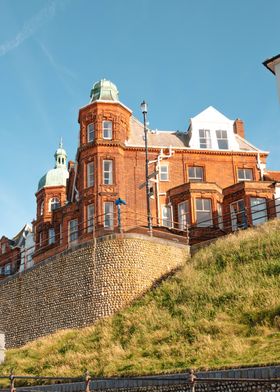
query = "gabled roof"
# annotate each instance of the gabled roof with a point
(270, 63)
(211, 114)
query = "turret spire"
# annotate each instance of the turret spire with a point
(60, 156)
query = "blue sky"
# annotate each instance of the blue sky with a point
(181, 56)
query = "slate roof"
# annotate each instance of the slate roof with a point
(175, 139)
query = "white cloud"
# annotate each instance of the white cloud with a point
(29, 28)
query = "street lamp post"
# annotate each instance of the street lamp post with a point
(144, 109)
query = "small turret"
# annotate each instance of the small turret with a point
(60, 156)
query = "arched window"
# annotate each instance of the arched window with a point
(54, 203)
(42, 208)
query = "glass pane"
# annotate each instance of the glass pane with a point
(198, 204)
(258, 210)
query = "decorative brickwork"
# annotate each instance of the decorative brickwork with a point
(84, 284)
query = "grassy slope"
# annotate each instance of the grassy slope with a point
(221, 310)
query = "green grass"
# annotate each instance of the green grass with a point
(221, 310)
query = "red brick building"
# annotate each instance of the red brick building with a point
(209, 178)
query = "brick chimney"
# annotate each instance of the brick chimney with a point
(238, 127)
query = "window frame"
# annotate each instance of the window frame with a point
(254, 211)
(206, 137)
(90, 132)
(203, 222)
(244, 169)
(51, 237)
(8, 269)
(73, 230)
(107, 129)
(222, 139)
(109, 215)
(42, 206)
(162, 173)
(90, 218)
(90, 174)
(238, 217)
(220, 215)
(196, 179)
(54, 205)
(108, 181)
(3, 248)
(184, 219)
(167, 219)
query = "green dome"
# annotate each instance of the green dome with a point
(57, 176)
(54, 177)
(104, 90)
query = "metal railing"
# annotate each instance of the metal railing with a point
(133, 221)
(178, 382)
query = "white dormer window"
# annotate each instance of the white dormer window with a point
(90, 132)
(107, 129)
(205, 138)
(54, 203)
(163, 173)
(222, 139)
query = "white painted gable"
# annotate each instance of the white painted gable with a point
(211, 119)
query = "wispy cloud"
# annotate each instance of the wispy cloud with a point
(58, 67)
(29, 28)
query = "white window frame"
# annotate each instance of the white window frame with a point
(164, 173)
(90, 174)
(258, 210)
(183, 214)
(107, 129)
(108, 207)
(222, 136)
(90, 132)
(51, 236)
(166, 218)
(196, 177)
(54, 204)
(238, 215)
(205, 139)
(90, 218)
(205, 221)
(73, 231)
(108, 174)
(245, 170)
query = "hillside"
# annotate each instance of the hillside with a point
(221, 310)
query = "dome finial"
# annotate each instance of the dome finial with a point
(61, 144)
